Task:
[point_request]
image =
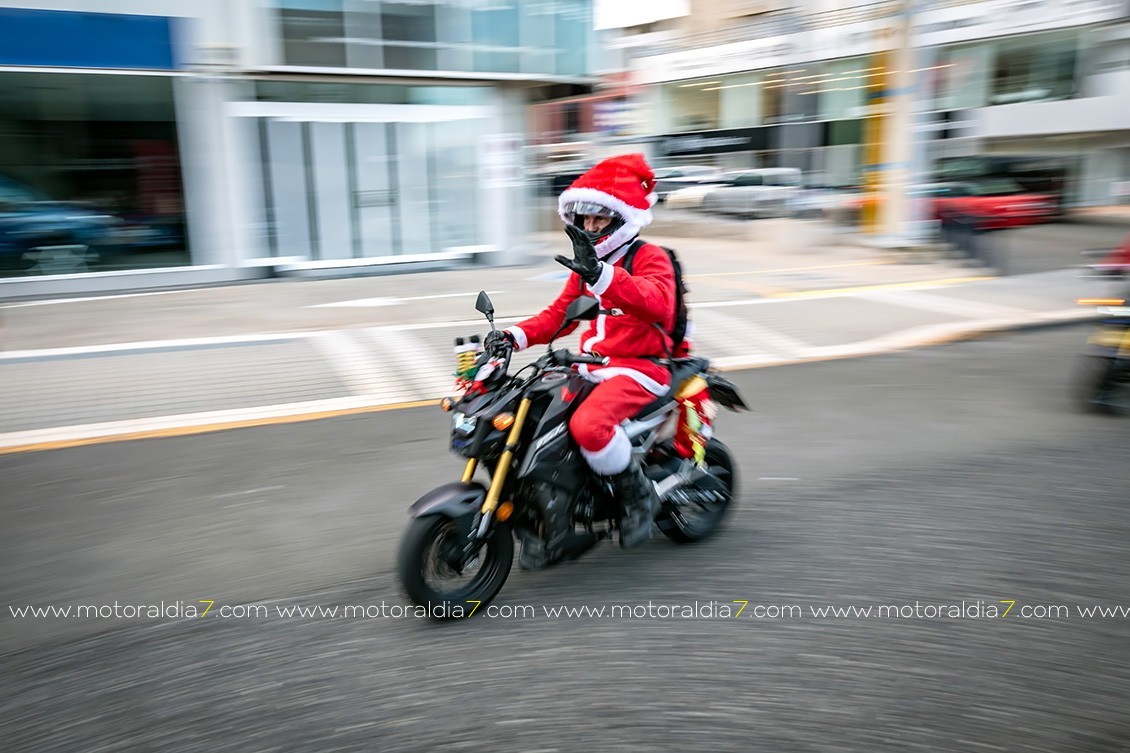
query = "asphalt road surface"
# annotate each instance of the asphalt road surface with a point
(918, 480)
(1041, 248)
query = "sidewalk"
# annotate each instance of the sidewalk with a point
(82, 370)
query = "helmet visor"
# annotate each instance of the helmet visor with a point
(576, 209)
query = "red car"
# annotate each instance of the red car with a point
(996, 202)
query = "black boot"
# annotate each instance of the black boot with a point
(639, 504)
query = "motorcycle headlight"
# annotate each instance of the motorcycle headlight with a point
(463, 424)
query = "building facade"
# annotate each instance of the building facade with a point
(769, 83)
(162, 142)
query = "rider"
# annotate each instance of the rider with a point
(604, 211)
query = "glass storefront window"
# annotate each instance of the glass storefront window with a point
(843, 88)
(90, 174)
(573, 26)
(962, 78)
(495, 29)
(1034, 69)
(313, 32)
(408, 30)
(693, 105)
(370, 189)
(496, 36)
(740, 105)
(375, 94)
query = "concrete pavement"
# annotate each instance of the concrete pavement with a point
(104, 368)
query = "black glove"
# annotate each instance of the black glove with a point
(499, 339)
(584, 261)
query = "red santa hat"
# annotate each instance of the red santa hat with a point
(624, 184)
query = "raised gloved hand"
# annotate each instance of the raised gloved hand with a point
(498, 340)
(584, 261)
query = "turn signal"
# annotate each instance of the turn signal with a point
(503, 421)
(447, 404)
(504, 511)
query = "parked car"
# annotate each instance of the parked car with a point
(668, 179)
(762, 192)
(31, 220)
(994, 203)
(998, 202)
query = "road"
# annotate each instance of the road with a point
(1053, 246)
(936, 476)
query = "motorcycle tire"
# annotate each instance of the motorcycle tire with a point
(685, 530)
(420, 556)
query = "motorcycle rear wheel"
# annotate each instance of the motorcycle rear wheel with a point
(691, 522)
(424, 563)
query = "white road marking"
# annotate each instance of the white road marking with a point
(57, 301)
(941, 304)
(738, 333)
(354, 361)
(419, 367)
(368, 302)
(194, 342)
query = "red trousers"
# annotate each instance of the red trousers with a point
(596, 424)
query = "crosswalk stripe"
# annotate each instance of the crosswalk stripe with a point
(419, 369)
(731, 335)
(353, 361)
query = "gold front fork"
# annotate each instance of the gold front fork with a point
(495, 491)
(469, 471)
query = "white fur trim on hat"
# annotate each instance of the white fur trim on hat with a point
(632, 215)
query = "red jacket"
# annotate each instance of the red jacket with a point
(624, 331)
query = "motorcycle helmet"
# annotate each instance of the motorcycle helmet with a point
(621, 188)
(575, 213)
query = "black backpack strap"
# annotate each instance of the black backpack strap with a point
(637, 244)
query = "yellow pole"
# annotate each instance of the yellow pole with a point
(874, 140)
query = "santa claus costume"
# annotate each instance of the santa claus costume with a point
(630, 305)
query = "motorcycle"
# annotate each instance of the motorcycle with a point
(457, 551)
(1102, 380)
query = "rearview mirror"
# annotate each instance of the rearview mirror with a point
(582, 308)
(484, 305)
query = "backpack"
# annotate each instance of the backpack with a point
(679, 331)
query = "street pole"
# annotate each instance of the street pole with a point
(891, 152)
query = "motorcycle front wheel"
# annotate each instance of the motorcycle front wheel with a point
(429, 573)
(693, 513)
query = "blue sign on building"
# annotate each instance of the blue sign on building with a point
(63, 39)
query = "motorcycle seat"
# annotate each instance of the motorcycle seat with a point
(681, 370)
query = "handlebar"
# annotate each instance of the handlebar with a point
(566, 358)
(594, 360)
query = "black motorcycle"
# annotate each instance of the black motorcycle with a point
(1102, 381)
(457, 552)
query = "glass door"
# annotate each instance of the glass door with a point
(374, 181)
